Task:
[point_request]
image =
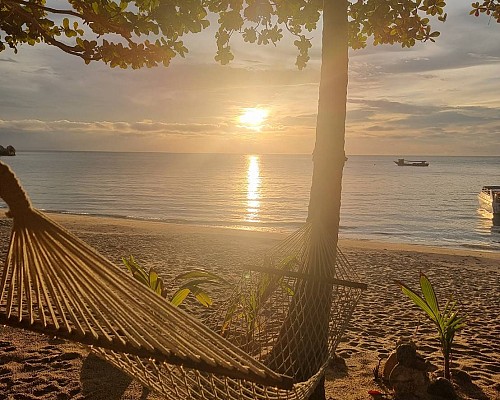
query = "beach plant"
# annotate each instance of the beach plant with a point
(149, 278)
(193, 281)
(196, 281)
(448, 320)
(245, 308)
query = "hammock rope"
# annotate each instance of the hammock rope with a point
(54, 283)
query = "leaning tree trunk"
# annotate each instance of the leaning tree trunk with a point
(329, 155)
(303, 339)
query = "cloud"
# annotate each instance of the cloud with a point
(107, 127)
(308, 120)
(378, 125)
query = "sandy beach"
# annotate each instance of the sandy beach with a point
(33, 366)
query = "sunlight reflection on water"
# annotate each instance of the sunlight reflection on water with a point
(253, 189)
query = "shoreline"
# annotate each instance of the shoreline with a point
(373, 244)
(48, 368)
(280, 231)
(357, 243)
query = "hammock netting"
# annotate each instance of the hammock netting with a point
(251, 346)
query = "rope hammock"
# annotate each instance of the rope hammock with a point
(247, 348)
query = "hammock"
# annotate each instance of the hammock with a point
(54, 283)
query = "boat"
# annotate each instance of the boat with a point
(489, 199)
(411, 163)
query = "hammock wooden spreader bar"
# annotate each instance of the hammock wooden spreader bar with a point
(307, 277)
(54, 283)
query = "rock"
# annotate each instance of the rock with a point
(407, 354)
(389, 365)
(338, 364)
(408, 382)
(442, 388)
(421, 364)
(430, 367)
(462, 377)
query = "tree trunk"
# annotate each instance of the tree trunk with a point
(303, 339)
(329, 154)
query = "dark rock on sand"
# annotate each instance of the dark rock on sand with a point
(442, 389)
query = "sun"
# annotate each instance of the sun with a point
(253, 118)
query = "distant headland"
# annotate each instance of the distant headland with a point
(8, 151)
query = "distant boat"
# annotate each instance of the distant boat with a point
(411, 163)
(489, 199)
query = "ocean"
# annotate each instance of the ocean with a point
(435, 205)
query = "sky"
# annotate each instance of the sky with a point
(438, 98)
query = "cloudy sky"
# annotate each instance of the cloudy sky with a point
(438, 98)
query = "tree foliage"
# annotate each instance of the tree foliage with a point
(137, 33)
(488, 7)
(125, 33)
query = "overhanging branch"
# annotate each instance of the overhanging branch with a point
(47, 9)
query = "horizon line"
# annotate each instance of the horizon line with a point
(244, 154)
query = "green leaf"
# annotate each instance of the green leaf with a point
(417, 300)
(429, 294)
(203, 297)
(155, 282)
(179, 296)
(193, 273)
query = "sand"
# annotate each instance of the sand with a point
(33, 366)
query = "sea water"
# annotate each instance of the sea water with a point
(435, 205)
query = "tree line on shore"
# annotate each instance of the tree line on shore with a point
(7, 151)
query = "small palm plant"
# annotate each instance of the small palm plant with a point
(246, 307)
(448, 321)
(192, 281)
(149, 278)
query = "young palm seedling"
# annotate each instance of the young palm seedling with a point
(149, 278)
(448, 321)
(194, 281)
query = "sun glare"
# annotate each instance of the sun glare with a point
(253, 118)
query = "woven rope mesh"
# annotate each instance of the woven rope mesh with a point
(54, 283)
(183, 383)
(252, 318)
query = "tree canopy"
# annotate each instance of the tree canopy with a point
(138, 33)
(488, 7)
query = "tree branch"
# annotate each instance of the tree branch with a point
(47, 9)
(73, 50)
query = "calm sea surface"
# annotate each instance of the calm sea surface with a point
(436, 205)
